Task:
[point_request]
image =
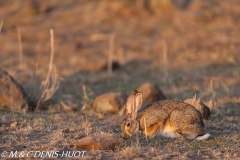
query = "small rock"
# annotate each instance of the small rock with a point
(151, 93)
(109, 103)
(101, 142)
(12, 94)
(14, 124)
(199, 106)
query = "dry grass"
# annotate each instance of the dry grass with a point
(20, 50)
(1, 26)
(51, 84)
(87, 100)
(200, 55)
(131, 152)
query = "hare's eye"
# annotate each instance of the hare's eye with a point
(128, 124)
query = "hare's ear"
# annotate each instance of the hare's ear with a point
(129, 103)
(137, 101)
(138, 98)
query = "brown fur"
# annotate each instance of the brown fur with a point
(152, 93)
(203, 109)
(170, 118)
(109, 103)
(12, 94)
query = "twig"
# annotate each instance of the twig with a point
(31, 90)
(85, 98)
(110, 54)
(211, 85)
(145, 129)
(20, 47)
(111, 38)
(165, 59)
(1, 26)
(52, 54)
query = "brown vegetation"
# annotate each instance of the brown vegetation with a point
(188, 50)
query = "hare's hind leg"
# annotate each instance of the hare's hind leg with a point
(169, 131)
(153, 130)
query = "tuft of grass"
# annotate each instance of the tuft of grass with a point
(86, 127)
(56, 137)
(131, 152)
(51, 83)
(39, 123)
(48, 87)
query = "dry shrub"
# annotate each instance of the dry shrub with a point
(132, 151)
(87, 99)
(56, 137)
(49, 86)
(86, 127)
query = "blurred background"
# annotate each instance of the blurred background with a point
(186, 47)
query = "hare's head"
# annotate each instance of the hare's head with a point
(130, 124)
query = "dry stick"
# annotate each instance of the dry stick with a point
(85, 97)
(52, 54)
(84, 92)
(211, 88)
(145, 129)
(34, 78)
(51, 84)
(1, 26)
(110, 54)
(20, 47)
(211, 85)
(165, 59)
(90, 90)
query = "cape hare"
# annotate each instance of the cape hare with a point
(199, 105)
(168, 118)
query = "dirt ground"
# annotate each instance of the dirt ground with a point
(186, 50)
